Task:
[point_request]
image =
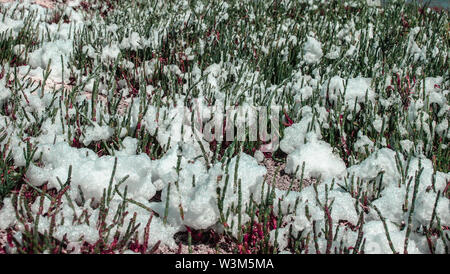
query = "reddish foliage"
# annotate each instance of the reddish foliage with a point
(288, 119)
(254, 235)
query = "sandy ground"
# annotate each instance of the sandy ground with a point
(283, 180)
(223, 247)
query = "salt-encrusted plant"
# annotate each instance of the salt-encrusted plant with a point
(131, 60)
(32, 238)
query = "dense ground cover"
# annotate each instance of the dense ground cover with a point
(109, 140)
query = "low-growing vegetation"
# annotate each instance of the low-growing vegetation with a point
(116, 117)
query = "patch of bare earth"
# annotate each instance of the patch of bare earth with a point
(218, 246)
(283, 180)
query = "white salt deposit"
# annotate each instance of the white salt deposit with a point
(110, 53)
(352, 90)
(319, 159)
(376, 240)
(55, 54)
(7, 214)
(295, 135)
(312, 50)
(92, 173)
(382, 160)
(96, 133)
